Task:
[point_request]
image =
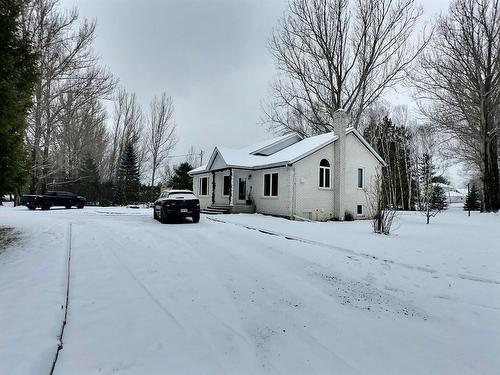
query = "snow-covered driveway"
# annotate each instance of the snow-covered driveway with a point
(215, 297)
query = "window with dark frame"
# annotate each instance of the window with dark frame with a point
(324, 174)
(274, 185)
(227, 186)
(360, 209)
(203, 188)
(360, 178)
(271, 184)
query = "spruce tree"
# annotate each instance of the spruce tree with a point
(427, 172)
(128, 181)
(180, 178)
(472, 202)
(17, 79)
(90, 180)
(438, 198)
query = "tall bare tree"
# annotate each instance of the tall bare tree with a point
(67, 66)
(161, 132)
(127, 127)
(459, 82)
(334, 54)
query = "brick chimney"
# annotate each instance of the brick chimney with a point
(339, 126)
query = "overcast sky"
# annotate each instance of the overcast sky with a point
(209, 55)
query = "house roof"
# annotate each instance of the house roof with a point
(248, 157)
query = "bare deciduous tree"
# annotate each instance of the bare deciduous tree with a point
(127, 126)
(161, 132)
(382, 214)
(67, 67)
(459, 84)
(335, 54)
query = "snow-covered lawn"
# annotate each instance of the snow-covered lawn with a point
(249, 294)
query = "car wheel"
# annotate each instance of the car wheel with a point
(31, 208)
(155, 216)
(196, 218)
(163, 216)
(80, 206)
(45, 208)
(67, 207)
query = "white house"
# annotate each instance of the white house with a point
(317, 178)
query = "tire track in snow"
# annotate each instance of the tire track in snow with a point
(66, 304)
(151, 233)
(140, 284)
(356, 253)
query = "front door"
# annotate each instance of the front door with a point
(242, 188)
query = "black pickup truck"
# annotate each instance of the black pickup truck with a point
(53, 198)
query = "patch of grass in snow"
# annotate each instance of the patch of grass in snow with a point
(8, 236)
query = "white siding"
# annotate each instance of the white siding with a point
(204, 201)
(358, 156)
(280, 205)
(312, 201)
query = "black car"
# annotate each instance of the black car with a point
(176, 204)
(53, 198)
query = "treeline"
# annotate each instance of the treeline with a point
(65, 138)
(410, 178)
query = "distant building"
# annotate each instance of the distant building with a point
(453, 195)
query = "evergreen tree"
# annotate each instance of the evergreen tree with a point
(432, 195)
(441, 179)
(90, 181)
(17, 79)
(438, 198)
(392, 143)
(128, 181)
(472, 202)
(180, 179)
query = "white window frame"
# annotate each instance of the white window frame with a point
(200, 186)
(362, 177)
(270, 185)
(323, 169)
(223, 178)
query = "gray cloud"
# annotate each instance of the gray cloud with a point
(210, 56)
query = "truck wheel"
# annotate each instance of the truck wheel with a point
(196, 218)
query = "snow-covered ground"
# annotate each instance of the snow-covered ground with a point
(249, 294)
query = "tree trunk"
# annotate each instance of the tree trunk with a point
(491, 179)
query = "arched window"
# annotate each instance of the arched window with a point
(324, 174)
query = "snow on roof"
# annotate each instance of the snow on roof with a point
(245, 157)
(201, 168)
(242, 158)
(262, 144)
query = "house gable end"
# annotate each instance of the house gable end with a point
(365, 143)
(216, 161)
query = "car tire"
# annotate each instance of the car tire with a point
(155, 216)
(196, 218)
(45, 208)
(163, 216)
(67, 207)
(80, 206)
(31, 208)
